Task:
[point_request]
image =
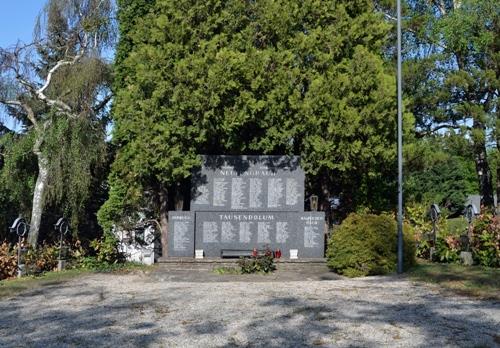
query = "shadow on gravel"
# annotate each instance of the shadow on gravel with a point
(301, 322)
(94, 326)
(319, 320)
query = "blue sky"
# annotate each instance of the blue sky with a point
(17, 20)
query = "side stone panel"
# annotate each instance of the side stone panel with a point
(180, 234)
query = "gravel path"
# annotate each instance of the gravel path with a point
(138, 310)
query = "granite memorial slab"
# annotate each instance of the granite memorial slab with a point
(216, 231)
(181, 234)
(248, 183)
(311, 229)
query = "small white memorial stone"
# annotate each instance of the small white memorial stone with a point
(198, 254)
(294, 254)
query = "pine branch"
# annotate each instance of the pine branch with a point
(437, 128)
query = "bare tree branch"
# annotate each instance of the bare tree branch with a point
(102, 104)
(437, 128)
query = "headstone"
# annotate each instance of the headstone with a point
(466, 258)
(181, 234)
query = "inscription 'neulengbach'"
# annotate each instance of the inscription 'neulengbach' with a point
(247, 173)
(246, 217)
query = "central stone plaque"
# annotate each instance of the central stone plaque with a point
(248, 183)
(245, 230)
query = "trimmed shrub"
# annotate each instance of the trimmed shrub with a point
(366, 244)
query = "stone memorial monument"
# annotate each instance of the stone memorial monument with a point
(247, 202)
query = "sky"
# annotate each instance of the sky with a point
(17, 20)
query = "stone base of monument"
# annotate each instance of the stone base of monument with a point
(61, 265)
(21, 270)
(466, 258)
(218, 260)
(432, 251)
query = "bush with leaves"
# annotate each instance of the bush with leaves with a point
(8, 261)
(366, 244)
(258, 263)
(105, 253)
(485, 243)
(42, 259)
(447, 250)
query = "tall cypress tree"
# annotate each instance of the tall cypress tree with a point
(254, 77)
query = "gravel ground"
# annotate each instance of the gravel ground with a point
(141, 310)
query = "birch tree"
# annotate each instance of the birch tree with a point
(57, 88)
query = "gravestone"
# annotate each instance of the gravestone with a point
(247, 202)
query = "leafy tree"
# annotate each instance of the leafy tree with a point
(452, 74)
(439, 172)
(57, 88)
(234, 77)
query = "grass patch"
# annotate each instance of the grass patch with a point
(476, 281)
(226, 270)
(14, 286)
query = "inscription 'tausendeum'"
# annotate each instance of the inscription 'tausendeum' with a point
(252, 217)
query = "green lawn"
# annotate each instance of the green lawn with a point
(473, 281)
(11, 287)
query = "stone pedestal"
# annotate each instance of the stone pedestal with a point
(21, 270)
(432, 251)
(466, 258)
(61, 264)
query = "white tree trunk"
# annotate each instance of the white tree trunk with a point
(38, 199)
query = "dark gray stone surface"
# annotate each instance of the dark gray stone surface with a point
(181, 234)
(247, 230)
(248, 183)
(311, 232)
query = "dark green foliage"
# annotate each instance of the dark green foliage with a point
(106, 249)
(439, 170)
(252, 77)
(17, 178)
(452, 75)
(486, 241)
(366, 244)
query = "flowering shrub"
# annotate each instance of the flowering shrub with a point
(447, 249)
(485, 243)
(258, 263)
(8, 261)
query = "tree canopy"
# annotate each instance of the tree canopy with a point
(253, 77)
